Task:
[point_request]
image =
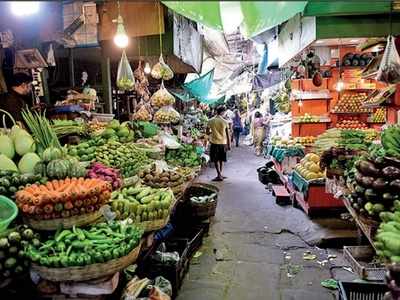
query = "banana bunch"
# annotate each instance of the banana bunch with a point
(282, 101)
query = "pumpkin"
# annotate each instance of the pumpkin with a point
(58, 169)
(77, 170)
(51, 153)
(40, 169)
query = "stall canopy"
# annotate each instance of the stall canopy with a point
(254, 17)
(199, 89)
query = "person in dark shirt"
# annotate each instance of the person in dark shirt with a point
(18, 96)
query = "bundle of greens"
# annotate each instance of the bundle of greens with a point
(41, 129)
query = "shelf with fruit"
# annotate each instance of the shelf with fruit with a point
(307, 118)
(351, 103)
(379, 116)
(305, 140)
(351, 123)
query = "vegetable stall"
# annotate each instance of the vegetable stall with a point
(91, 208)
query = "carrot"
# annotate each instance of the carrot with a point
(68, 205)
(56, 184)
(25, 208)
(49, 186)
(31, 210)
(37, 201)
(67, 181)
(43, 188)
(38, 210)
(48, 208)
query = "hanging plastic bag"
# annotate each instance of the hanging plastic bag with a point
(166, 115)
(142, 114)
(389, 69)
(125, 78)
(162, 97)
(161, 70)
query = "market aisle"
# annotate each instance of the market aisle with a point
(243, 258)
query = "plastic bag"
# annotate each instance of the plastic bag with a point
(161, 70)
(169, 141)
(166, 115)
(142, 114)
(162, 97)
(389, 69)
(125, 78)
(164, 285)
(157, 294)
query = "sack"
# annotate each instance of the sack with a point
(389, 69)
(125, 78)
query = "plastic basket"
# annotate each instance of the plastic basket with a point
(103, 117)
(8, 212)
(360, 258)
(361, 291)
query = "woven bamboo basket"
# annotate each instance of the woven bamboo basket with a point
(153, 225)
(88, 272)
(202, 210)
(54, 224)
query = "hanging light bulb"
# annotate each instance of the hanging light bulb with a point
(147, 68)
(300, 103)
(340, 85)
(120, 38)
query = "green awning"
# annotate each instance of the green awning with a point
(341, 8)
(258, 16)
(200, 87)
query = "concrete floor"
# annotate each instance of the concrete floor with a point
(243, 258)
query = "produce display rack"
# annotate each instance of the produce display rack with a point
(367, 229)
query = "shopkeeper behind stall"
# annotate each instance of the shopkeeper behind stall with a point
(18, 96)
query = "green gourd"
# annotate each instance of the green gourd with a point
(51, 153)
(58, 169)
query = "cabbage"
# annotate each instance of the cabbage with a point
(28, 162)
(7, 146)
(7, 164)
(24, 144)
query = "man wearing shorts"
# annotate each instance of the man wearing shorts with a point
(218, 130)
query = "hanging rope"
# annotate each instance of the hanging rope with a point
(159, 26)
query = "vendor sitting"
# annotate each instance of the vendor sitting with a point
(18, 96)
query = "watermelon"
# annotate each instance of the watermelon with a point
(51, 153)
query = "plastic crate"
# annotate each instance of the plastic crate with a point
(193, 236)
(360, 258)
(174, 273)
(361, 291)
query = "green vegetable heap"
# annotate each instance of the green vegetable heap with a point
(13, 259)
(391, 140)
(125, 157)
(80, 247)
(11, 182)
(387, 240)
(184, 156)
(86, 151)
(142, 203)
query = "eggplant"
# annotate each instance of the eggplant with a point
(380, 162)
(391, 172)
(392, 161)
(380, 184)
(367, 168)
(370, 195)
(367, 181)
(359, 190)
(358, 177)
(388, 197)
(395, 184)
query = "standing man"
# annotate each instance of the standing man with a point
(18, 96)
(218, 129)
